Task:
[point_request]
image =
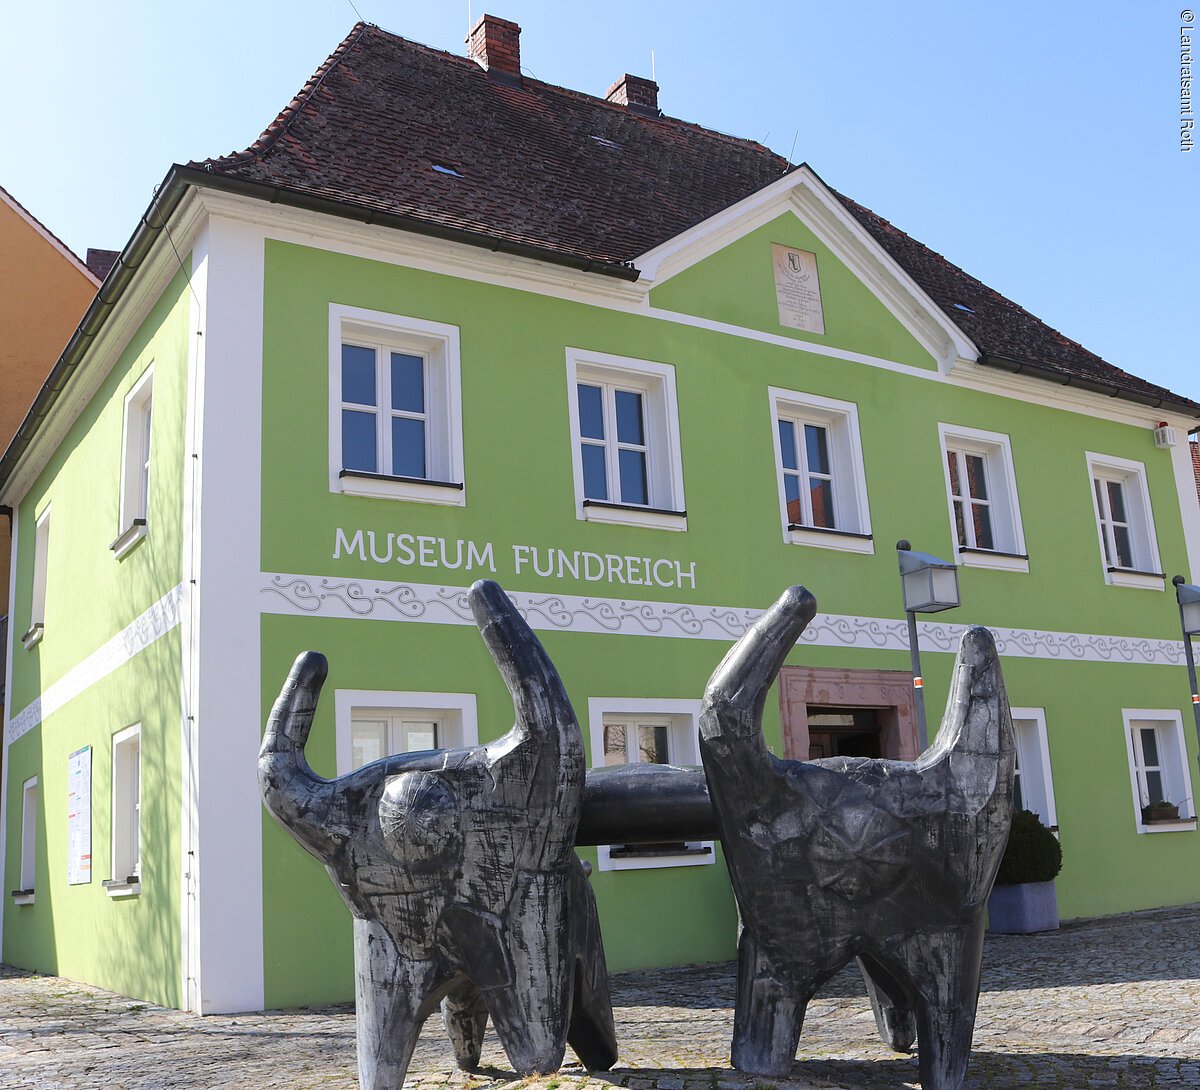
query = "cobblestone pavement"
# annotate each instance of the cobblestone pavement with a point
(1111, 1004)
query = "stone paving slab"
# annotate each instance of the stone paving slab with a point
(1110, 1004)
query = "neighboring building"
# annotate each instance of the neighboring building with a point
(44, 290)
(443, 321)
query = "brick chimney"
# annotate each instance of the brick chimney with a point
(495, 44)
(637, 92)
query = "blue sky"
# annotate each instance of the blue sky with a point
(1034, 144)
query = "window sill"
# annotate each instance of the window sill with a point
(129, 538)
(33, 636)
(628, 514)
(994, 559)
(1130, 577)
(22, 896)
(123, 887)
(1170, 825)
(699, 854)
(821, 537)
(416, 489)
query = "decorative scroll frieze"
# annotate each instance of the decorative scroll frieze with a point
(431, 603)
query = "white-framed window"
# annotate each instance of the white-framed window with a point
(640, 731)
(135, 464)
(27, 878)
(1158, 766)
(126, 856)
(981, 488)
(625, 441)
(375, 723)
(395, 407)
(41, 558)
(1124, 522)
(1034, 787)
(819, 471)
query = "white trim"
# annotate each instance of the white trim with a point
(598, 708)
(1162, 717)
(1140, 514)
(439, 344)
(346, 700)
(140, 395)
(1038, 717)
(7, 651)
(40, 581)
(430, 603)
(150, 625)
(29, 836)
(996, 450)
(228, 641)
(56, 243)
(665, 458)
(1189, 503)
(840, 419)
(119, 741)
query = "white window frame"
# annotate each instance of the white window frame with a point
(136, 449)
(438, 344)
(27, 875)
(125, 859)
(1033, 760)
(683, 717)
(666, 509)
(1146, 573)
(1174, 766)
(840, 419)
(1008, 533)
(41, 560)
(455, 712)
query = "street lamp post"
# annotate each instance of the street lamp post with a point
(1188, 597)
(930, 585)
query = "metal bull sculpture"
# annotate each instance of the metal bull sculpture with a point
(887, 861)
(460, 871)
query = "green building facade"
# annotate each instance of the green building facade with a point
(292, 429)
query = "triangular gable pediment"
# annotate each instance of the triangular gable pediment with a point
(857, 276)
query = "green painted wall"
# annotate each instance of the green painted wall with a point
(131, 946)
(519, 491)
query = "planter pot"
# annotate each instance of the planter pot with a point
(1159, 813)
(1023, 909)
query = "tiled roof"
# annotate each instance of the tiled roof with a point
(1195, 449)
(571, 174)
(101, 261)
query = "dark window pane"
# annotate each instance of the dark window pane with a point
(591, 412)
(820, 492)
(358, 374)
(952, 465)
(1154, 787)
(358, 441)
(615, 752)
(959, 524)
(1116, 501)
(633, 476)
(1018, 799)
(1149, 746)
(629, 418)
(595, 473)
(408, 383)
(408, 447)
(787, 444)
(977, 477)
(1099, 497)
(652, 745)
(791, 490)
(1124, 547)
(816, 446)
(981, 516)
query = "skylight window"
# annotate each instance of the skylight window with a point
(603, 141)
(446, 170)
(963, 307)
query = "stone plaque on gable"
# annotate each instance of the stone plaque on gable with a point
(797, 289)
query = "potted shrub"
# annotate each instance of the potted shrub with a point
(1159, 811)
(1023, 899)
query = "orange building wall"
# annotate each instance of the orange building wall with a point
(43, 293)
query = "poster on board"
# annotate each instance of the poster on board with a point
(798, 289)
(79, 816)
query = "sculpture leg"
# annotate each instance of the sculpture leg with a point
(768, 1014)
(531, 1012)
(465, 1015)
(894, 1017)
(392, 994)
(944, 970)
(591, 1032)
